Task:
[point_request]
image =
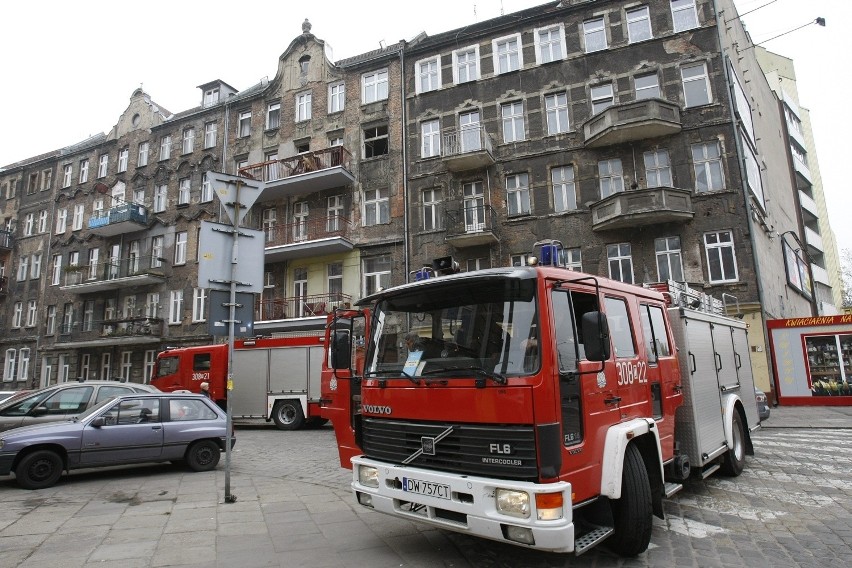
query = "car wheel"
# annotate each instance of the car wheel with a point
(203, 455)
(39, 469)
(288, 415)
(734, 460)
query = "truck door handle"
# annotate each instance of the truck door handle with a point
(718, 361)
(612, 400)
(692, 358)
(739, 361)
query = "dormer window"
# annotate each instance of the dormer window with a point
(304, 63)
(211, 96)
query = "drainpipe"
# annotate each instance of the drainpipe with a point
(405, 237)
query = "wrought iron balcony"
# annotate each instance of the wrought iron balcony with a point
(312, 237)
(124, 218)
(302, 174)
(314, 305)
(5, 240)
(636, 120)
(467, 148)
(639, 207)
(471, 226)
(122, 331)
(116, 273)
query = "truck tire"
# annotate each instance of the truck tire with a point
(288, 415)
(39, 469)
(203, 455)
(734, 460)
(633, 512)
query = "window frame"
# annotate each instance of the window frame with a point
(656, 169)
(376, 81)
(563, 191)
(646, 18)
(211, 134)
(665, 252)
(187, 141)
(165, 148)
(472, 64)
(273, 115)
(518, 194)
(556, 111)
(303, 107)
(336, 97)
(181, 246)
(637, 90)
(704, 77)
(618, 253)
(433, 76)
(616, 180)
(376, 206)
(540, 58)
(374, 276)
(430, 142)
(595, 100)
(590, 33)
(142, 154)
(103, 166)
(684, 5)
(244, 124)
(706, 164)
(513, 124)
(511, 57)
(718, 246)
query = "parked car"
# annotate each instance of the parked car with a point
(62, 401)
(762, 405)
(6, 395)
(122, 430)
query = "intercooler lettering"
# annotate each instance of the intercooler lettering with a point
(502, 461)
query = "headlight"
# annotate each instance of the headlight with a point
(368, 476)
(513, 503)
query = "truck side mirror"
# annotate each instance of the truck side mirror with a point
(596, 336)
(341, 349)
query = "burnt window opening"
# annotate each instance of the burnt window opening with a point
(376, 141)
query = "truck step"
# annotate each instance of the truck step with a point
(709, 470)
(591, 538)
(672, 488)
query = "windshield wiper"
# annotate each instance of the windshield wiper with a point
(396, 374)
(496, 377)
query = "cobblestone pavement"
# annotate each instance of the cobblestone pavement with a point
(791, 507)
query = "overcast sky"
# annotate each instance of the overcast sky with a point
(69, 67)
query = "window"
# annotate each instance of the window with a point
(180, 247)
(23, 268)
(466, 64)
(639, 24)
(707, 162)
(335, 280)
(620, 262)
(188, 141)
(594, 34)
(156, 251)
(123, 157)
(183, 191)
(211, 96)
(721, 258)
(473, 264)
(175, 306)
(94, 255)
(620, 329)
(431, 209)
(684, 15)
(336, 97)
(376, 141)
(300, 221)
(377, 274)
(611, 180)
(103, 164)
(556, 107)
(32, 186)
(160, 193)
(142, 159)
(46, 179)
(428, 75)
(29, 224)
(152, 305)
(35, 266)
(56, 276)
(18, 315)
(507, 54)
(374, 86)
(431, 139)
(376, 207)
(42, 221)
(139, 196)
(518, 194)
(84, 171)
(550, 44)
(669, 260)
(199, 305)
(574, 259)
(303, 107)
(334, 213)
(602, 97)
(268, 221)
(105, 365)
(474, 207)
(647, 86)
(244, 124)
(696, 85)
(67, 172)
(658, 171)
(518, 260)
(50, 325)
(513, 121)
(564, 191)
(273, 115)
(77, 219)
(109, 309)
(88, 315)
(165, 147)
(206, 188)
(210, 134)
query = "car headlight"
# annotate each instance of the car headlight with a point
(368, 476)
(513, 503)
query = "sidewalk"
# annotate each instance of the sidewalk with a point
(809, 417)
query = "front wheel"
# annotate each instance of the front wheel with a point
(734, 460)
(288, 415)
(633, 512)
(203, 455)
(39, 470)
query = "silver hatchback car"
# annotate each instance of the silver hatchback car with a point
(128, 429)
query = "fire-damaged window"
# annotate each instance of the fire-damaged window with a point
(375, 141)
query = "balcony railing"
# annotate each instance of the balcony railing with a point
(467, 148)
(471, 226)
(311, 237)
(302, 174)
(313, 305)
(105, 331)
(116, 273)
(636, 120)
(124, 218)
(5, 240)
(640, 207)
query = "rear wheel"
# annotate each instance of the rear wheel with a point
(39, 469)
(734, 461)
(633, 512)
(203, 455)
(288, 415)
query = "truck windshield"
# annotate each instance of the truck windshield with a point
(479, 328)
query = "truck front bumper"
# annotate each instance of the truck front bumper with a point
(465, 504)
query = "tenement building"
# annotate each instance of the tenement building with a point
(641, 135)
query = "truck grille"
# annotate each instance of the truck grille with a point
(507, 452)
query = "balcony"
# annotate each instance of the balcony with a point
(467, 149)
(639, 207)
(299, 307)
(125, 218)
(125, 331)
(814, 241)
(115, 273)
(4, 286)
(303, 174)
(803, 173)
(637, 120)
(313, 237)
(471, 226)
(5, 240)
(808, 204)
(820, 275)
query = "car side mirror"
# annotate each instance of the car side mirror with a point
(98, 422)
(39, 411)
(596, 336)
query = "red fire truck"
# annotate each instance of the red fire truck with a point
(275, 378)
(537, 406)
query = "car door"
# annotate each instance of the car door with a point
(132, 431)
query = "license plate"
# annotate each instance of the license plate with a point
(425, 488)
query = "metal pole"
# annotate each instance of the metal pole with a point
(232, 315)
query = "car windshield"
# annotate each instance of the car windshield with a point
(458, 328)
